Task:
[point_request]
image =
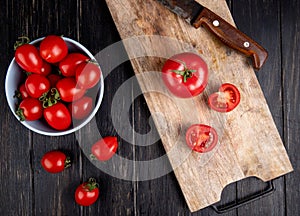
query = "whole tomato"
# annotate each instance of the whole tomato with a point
(36, 85)
(53, 48)
(55, 161)
(104, 148)
(69, 64)
(88, 74)
(21, 93)
(81, 108)
(30, 109)
(87, 193)
(201, 138)
(28, 58)
(69, 90)
(57, 116)
(185, 74)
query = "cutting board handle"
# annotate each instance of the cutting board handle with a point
(226, 208)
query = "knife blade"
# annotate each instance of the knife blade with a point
(198, 15)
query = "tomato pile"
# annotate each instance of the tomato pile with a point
(186, 75)
(58, 84)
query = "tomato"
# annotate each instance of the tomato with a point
(57, 116)
(81, 108)
(28, 58)
(53, 49)
(69, 64)
(87, 193)
(201, 138)
(30, 109)
(55, 161)
(46, 69)
(37, 85)
(226, 99)
(88, 74)
(21, 93)
(68, 89)
(185, 74)
(104, 148)
(53, 79)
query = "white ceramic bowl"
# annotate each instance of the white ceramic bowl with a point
(15, 77)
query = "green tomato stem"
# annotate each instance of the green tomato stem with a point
(68, 162)
(22, 40)
(91, 184)
(20, 114)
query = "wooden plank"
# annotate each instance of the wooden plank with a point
(159, 196)
(290, 30)
(16, 146)
(116, 195)
(270, 79)
(239, 158)
(54, 193)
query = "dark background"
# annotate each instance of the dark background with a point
(26, 189)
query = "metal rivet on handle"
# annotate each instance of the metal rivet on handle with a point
(216, 23)
(246, 44)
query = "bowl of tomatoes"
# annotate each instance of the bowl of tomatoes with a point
(54, 86)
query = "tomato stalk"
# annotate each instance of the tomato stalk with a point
(186, 73)
(50, 98)
(20, 114)
(22, 40)
(93, 61)
(18, 95)
(68, 162)
(93, 157)
(91, 184)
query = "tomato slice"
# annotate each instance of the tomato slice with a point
(226, 99)
(201, 138)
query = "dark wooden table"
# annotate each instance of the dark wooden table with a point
(26, 189)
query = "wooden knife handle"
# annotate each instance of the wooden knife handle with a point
(232, 37)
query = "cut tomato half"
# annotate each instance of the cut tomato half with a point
(201, 138)
(226, 99)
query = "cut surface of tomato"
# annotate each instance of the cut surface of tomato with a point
(226, 99)
(201, 138)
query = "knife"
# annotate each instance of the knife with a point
(198, 15)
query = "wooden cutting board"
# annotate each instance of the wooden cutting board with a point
(249, 145)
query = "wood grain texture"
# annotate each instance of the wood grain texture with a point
(27, 190)
(269, 75)
(291, 89)
(236, 157)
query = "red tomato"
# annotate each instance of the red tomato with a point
(87, 193)
(69, 64)
(46, 69)
(105, 148)
(68, 89)
(30, 109)
(21, 93)
(185, 74)
(58, 116)
(88, 74)
(37, 85)
(28, 58)
(201, 138)
(81, 108)
(55, 161)
(53, 49)
(226, 99)
(53, 79)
